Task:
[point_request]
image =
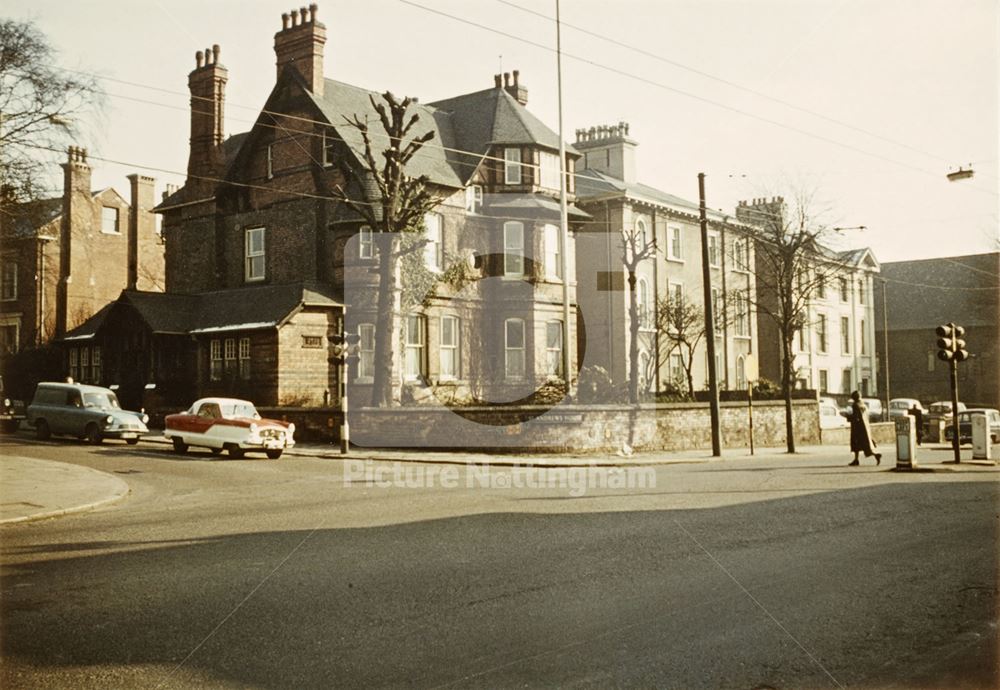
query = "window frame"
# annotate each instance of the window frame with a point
(453, 348)
(513, 252)
(554, 353)
(473, 198)
(845, 335)
(434, 248)
(675, 243)
(366, 243)
(714, 253)
(509, 350)
(416, 349)
(215, 360)
(548, 170)
(243, 353)
(512, 162)
(366, 351)
(249, 275)
(553, 257)
(117, 222)
(822, 334)
(8, 280)
(328, 149)
(269, 161)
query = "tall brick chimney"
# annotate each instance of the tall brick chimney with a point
(77, 212)
(300, 44)
(207, 84)
(141, 232)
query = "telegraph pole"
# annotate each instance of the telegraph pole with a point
(706, 276)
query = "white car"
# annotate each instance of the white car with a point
(228, 424)
(900, 407)
(830, 417)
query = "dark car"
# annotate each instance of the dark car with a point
(87, 412)
(12, 411)
(965, 425)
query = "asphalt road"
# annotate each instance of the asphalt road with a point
(758, 573)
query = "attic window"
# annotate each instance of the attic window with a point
(109, 220)
(329, 153)
(512, 166)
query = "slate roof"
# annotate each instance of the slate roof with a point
(247, 308)
(31, 216)
(926, 293)
(596, 184)
(531, 204)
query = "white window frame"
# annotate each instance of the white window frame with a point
(714, 255)
(513, 252)
(251, 273)
(448, 348)
(675, 243)
(824, 381)
(366, 351)
(512, 166)
(553, 348)
(269, 161)
(742, 314)
(514, 356)
(473, 198)
(117, 225)
(366, 243)
(215, 360)
(642, 298)
(414, 348)
(434, 236)
(328, 144)
(553, 260)
(677, 373)
(8, 282)
(845, 335)
(229, 356)
(548, 170)
(845, 290)
(741, 373)
(822, 334)
(741, 255)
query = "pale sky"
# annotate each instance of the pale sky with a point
(880, 99)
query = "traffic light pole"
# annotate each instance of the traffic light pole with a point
(955, 441)
(345, 429)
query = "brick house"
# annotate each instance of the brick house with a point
(258, 212)
(834, 351)
(65, 258)
(920, 296)
(610, 192)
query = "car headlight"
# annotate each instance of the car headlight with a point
(145, 419)
(6, 402)
(109, 420)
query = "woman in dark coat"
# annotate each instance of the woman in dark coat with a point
(861, 433)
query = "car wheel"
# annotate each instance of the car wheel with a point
(93, 435)
(215, 451)
(131, 441)
(274, 453)
(42, 432)
(179, 445)
(236, 453)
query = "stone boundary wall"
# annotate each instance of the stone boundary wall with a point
(565, 428)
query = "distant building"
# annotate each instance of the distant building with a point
(63, 259)
(608, 190)
(924, 294)
(834, 350)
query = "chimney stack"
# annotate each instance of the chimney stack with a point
(300, 44)
(514, 88)
(142, 233)
(608, 149)
(207, 84)
(77, 212)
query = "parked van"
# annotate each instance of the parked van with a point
(87, 412)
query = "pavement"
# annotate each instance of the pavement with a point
(35, 489)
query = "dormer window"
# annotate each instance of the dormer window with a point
(512, 166)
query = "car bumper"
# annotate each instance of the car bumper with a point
(124, 434)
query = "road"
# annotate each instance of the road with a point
(778, 572)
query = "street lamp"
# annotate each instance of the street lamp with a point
(961, 174)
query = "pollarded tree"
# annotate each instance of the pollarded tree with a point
(636, 248)
(42, 109)
(392, 204)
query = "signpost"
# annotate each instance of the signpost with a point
(750, 370)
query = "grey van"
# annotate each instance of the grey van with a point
(87, 412)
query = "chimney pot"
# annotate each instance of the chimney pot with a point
(496, 81)
(284, 21)
(303, 15)
(506, 78)
(312, 11)
(295, 17)
(215, 53)
(198, 59)
(515, 73)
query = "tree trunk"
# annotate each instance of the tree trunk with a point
(633, 346)
(386, 320)
(786, 391)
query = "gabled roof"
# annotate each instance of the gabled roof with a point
(32, 216)
(859, 258)
(246, 308)
(592, 185)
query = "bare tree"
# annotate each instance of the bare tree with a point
(681, 327)
(41, 111)
(791, 265)
(392, 203)
(636, 248)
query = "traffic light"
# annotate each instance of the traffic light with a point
(950, 343)
(346, 346)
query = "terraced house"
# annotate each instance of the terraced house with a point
(482, 299)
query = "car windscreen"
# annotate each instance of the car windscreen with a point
(243, 410)
(102, 401)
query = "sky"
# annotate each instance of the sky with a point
(866, 104)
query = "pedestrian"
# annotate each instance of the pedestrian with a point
(918, 420)
(861, 432)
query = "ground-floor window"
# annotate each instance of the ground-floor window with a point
(415, 339)
(366, 354)
(215, 361)
(514, 364)
(449, 347)
(244, 359)
(553, 348)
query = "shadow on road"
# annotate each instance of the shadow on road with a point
(893, 584)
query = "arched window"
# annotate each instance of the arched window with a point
(645, 312)
(741, 373)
